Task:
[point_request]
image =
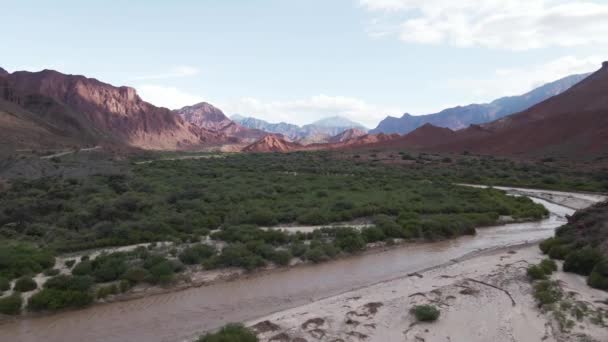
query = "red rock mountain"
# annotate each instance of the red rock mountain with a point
(207, 116)
(101, 112)
(272, 143)
(347, 135)
(574, 123)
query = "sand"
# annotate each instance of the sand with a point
(470, 311)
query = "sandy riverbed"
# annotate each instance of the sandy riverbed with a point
(470, 311)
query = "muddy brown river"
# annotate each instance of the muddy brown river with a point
(180, 316)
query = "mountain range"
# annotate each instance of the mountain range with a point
(572, 124)
(320, 131)
(51, 110)
(462, 116)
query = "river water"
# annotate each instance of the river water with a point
(182, 315)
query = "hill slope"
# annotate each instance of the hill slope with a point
(463, 116)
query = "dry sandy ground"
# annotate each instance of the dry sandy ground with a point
(470, 311)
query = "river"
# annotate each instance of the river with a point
(180, 316)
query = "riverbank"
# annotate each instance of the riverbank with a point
(483, 298)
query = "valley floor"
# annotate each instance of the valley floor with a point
(471, 308)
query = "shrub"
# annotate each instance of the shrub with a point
(84, 267)
(20, 260)
(230, 333)
(546, 245)
(599, 276)
(560, 252)
(281, 258)
(161, 273)
(5, 285)
(25, 284)
(425, 313)
(54, 299)
(136, 275)
(547, 292)
(373, 234)
(66, 282)
(535, 272)
(549, 266)
(104, 291)
(11, 305)
(196, 254)
(582, 261)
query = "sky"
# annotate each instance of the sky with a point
(302, 60)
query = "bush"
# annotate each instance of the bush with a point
(373, 234)
(425, 313)
(546, 245)
(549, 266)
(73, 283)
(25, 284)
(11, 305)
(582, 261)
(70, 263)
(196, 254)
(161, 273)
(20, 260)
(54, 299)
(599, 275)
(136, 275)
(547, 292)
(84, 267)
(5, 285)
(230, 333)
(104, 291)
(535, 272)
(559, 252)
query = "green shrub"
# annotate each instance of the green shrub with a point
(599, 275)
(66, 282)
(5, 285)
(373, 234)
(136, 274)
(425, 313)
(535, 272)
(84, 267)
(11, 305)
(230, 333)
(196, 254)
(582, 261)
(560, 252)
(549, 266)
(104, 291)
(25, 284)
(161, 273)
(54, 299)
(547, 292)
(19, 260)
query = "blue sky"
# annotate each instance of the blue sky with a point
(298, 61)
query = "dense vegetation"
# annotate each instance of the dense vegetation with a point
(583, 245)
(183, 200)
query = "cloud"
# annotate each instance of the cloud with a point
(514, 81)
(169, 97)
(304, 111)
(499, 24)
(176, 72)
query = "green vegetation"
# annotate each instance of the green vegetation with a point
(11, 305)
(183, 200)
(17, 260)
(25, 284)
(425, 313)
(230, 333)
(547, 292)
(543, 270)
(582, 245)
(5, 285)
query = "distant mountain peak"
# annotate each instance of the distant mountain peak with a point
(3, 72)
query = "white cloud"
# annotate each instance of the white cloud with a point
(169, 97)
(515, 81)
(304, 111)
(176, 72)
(500, 24)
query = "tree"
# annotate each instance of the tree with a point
(25, 284)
